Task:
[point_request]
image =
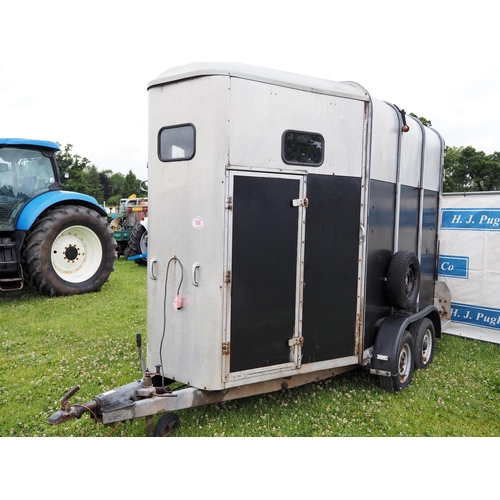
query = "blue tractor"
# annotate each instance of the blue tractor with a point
(57, 241)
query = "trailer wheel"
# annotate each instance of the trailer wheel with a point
(69, 250)
(137, 244)
(403, 280)
(167, 425)
(423, 333)
(405, 366)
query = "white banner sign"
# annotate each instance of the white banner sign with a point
(469, 263)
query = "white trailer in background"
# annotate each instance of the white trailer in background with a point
(300, 242)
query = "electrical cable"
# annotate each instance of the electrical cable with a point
(165, 316)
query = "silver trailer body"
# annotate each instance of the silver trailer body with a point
(293, 236)
(277, 202)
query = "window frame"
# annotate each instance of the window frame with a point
(307, 164)
(177, 126)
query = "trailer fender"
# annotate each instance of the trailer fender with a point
(385, 351)
(38, 205)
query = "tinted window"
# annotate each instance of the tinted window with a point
(177, 143)
(303, 148)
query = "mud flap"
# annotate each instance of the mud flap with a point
(385, 351)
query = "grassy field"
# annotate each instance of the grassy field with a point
(50, 345)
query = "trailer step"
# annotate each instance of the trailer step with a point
(11, 284)
(11, 273)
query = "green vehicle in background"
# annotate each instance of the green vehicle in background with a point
(130, 227)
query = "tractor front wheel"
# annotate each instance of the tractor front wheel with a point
(69, 250)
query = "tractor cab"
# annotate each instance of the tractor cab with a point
(25, 172)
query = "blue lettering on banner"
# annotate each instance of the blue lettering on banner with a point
(453, 266)
(475, 219)
(484, 317)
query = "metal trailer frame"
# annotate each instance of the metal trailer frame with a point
(265, 297)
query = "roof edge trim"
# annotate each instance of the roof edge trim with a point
(264, 75)
(29, 142)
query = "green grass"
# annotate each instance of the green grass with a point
(48, 345)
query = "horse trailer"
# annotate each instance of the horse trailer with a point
(301, 240)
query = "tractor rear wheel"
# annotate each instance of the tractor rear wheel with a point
(69, 250)
(138, 244)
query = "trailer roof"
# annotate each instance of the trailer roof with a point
(29, 142)
(256, 73)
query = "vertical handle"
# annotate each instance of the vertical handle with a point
(195, 274)
(152, 262)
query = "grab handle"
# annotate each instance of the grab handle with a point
(195, 274)
(151, 269)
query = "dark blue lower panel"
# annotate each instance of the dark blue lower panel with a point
(380, 242)
(331, 267)
(408, 219)
(264, 271)
(428, 261)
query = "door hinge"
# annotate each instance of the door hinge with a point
(229, 202)
(226, 348)
(303, 202)
(227, 277)
(296, 341)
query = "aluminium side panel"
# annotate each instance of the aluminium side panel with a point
(382, 201)
(403, 199)
(186, 221)
(261, 113)
(431, 187)
(409, 192)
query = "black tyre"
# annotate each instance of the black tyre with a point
(424, 336)
(405, 365)
(167, 425)
(138, 244)
(69, 250)
(403, 280)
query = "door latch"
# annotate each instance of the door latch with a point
(302, 202)
(296, 341)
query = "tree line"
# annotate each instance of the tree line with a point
(465, 170)
(105, 186)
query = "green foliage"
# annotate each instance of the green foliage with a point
(131, 185)
(76, 167)
(104, 186)
(94, 186)
(48, 345)
(424, 120)
(116, 182)
(469, 170)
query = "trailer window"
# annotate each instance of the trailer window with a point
(177, 143)
(303, 148)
